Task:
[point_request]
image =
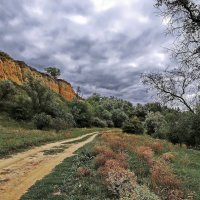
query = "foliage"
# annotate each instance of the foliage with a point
(53, 71)
(42, 121)
(153, 122)
(119, 117)
(96, 122)
(22, 108)
(134, 126)
(82, 113)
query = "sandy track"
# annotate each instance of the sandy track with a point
(21, 171)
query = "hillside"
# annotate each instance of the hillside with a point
(16, 71)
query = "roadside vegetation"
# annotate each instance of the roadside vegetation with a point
(19, 136)
(121, 166)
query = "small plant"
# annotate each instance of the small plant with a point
(145, 152)
(168, 157)
(83, 171)
(162, 176)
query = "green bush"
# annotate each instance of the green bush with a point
(119, 117)
(133, 126)
(22, 108)
(63, 123)
(153, 122)
(82, 112)
(42, 121)
(110, 123)
(96, 122)
(7, 90)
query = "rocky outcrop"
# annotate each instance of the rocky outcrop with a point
(17, 71)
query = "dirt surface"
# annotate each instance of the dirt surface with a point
(22, 170)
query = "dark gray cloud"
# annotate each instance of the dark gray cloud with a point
(102, 46)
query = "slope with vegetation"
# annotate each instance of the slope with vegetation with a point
(17, 72)
(121, 166)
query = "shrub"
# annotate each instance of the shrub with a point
(162, 176)
(141, 192)
(145, 152)
(133, 126)
(119, 181)
(103, 150)
(22, 108)
(110, 123)
(63, 123)
(7, 93)
(83, 171)
(119, 117)
(153, 122)
(42, 121)
(96, 122)
(82, 113)
(168, 157)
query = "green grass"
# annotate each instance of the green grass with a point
(64, 182)
(54, 151)
(19, 136)
(187, 167)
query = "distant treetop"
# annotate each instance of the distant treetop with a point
(53, 72)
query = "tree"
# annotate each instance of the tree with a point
(183, 18)
(180, 84)
(175, 86)
(119, 117)
(53, 72)
(133, 126)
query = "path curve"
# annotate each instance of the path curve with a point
(20, 172)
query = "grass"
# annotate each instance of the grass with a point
(19, 136)
(54, 151)
(156, 168)
(65, 183)
(187, 167)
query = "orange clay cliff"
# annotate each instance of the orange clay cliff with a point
(17, 71)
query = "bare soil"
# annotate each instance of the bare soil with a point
(21, 171)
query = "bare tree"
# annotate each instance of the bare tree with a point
(175, 86)
(180, 85)
(183, 18)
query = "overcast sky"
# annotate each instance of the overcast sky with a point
(100, 45)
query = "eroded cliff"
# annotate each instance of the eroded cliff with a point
(17, 71)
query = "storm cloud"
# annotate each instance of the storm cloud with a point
(102, 46)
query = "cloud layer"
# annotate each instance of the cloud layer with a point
(102, 46)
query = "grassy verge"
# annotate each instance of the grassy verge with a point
(18, 139)
(187, 167)
(65, 182)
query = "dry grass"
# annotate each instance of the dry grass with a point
(168, 157)
(83, 171)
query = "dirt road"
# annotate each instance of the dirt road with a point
(21, 171)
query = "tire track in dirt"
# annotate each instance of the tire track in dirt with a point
(21, 171)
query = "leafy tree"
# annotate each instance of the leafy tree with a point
(119, 117)
(153, 122)
(42, 121)
(22, 108)
(40, 95)
(82, 113)
(96, 122)
(53, 72)
(134, 126)
(7, 90)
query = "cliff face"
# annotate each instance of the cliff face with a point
(17, 71)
